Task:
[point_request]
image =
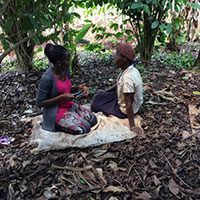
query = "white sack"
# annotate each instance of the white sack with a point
(108, 129)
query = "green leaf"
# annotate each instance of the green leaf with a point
(118, 35)
(169, 4)
(136, 5)
(82, 32)
(155, 2)
(88, 21)
(146, 9)
(169, 28)
(33, 21)
(176, 8)
(154, 24)
(76, 15)
(148, 1)
(81, 181)
(93, 30)
(108, 35)
(115, 27)
(129, 38)
(66, 37)
(185, 77)
(170, 119)
(4, 41)
(44, 21)
(195, 5)
(162, 26)
(38, 50)
(128, 31)
(8, 25)
(196, 92)
(26, 24)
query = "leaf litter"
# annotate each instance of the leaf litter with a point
(157, 166)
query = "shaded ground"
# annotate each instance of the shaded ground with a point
(157, 166)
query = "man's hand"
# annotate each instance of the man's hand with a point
(137, 130)
(83, 88)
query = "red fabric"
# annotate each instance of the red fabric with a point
(127, 51)
(63, 105)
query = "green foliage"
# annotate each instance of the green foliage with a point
(9, 65)
(179, 61)
(71, 38)
(94, 47)
(27, 20)
(40, 64)
(141, 68)
(147, 19)
(194, 5)
(82, 32)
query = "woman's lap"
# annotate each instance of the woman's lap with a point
(78, 120)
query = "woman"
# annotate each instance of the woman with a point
(55, 95)
(124, 98)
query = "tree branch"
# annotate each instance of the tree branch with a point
(4, 7)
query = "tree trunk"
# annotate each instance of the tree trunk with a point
(24, 55)
(172, 45)
(197, 62)
(147, 44)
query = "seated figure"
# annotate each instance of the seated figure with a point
(126, 96)
(56, 93)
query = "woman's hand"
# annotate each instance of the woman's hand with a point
(83, 88)
(67, 96)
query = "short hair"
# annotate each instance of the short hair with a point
(55, 53)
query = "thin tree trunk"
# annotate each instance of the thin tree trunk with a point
(147, 44)
(24, 54)
(197, 62)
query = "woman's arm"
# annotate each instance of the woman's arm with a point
(48, 102)
(79, 88)
(128, 98)
(44, 91)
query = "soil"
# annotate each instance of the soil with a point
(158, 165)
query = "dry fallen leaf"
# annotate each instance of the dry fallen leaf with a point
(96, 153)
(113, 198)
(100, 173)
(156, 180)
(144, 196)
(173, 187)
(12, 162)
(115, 189)
(153, 165)
(185, 134)
(113, 165)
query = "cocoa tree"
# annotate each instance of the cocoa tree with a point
(23, 23)
(147, 18)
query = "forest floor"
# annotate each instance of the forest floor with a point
(159, 165)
